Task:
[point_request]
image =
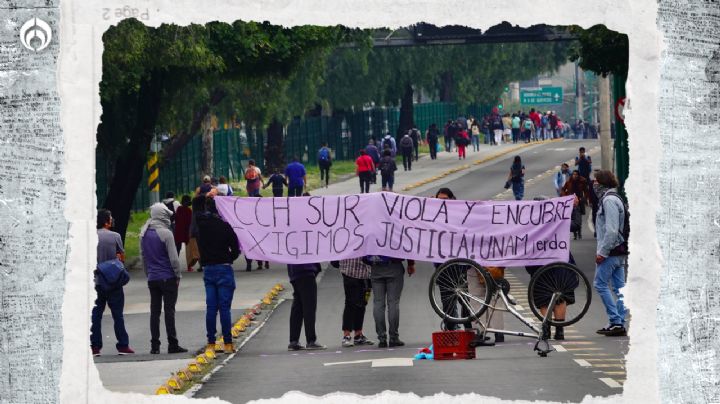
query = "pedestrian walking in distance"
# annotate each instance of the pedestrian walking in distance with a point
(356, 282)
(253, 179)
(415, 136)
(365, 170)
(162, 268)
(387, 276)
(431, 136)
(462, 140)
(324, 159)
(304, 305)
(218, 250)
(387, 171)
(516, 178)
(296, 177)
(277, 181)
(373, 152)
(406, 148)
(223, 188)
(611, 251)
(110, 277)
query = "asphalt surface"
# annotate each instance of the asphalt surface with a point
(585, 363)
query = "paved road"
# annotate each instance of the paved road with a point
(586, 363)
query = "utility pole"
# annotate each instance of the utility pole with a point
(154, 172)
(579, 90)
(604, 115)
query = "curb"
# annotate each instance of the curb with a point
(198, 370)
(477, 162)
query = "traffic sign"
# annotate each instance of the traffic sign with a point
(541, 95)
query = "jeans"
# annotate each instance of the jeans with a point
(416, 149)
(538, 133)
(295, 191)
(303, 309)
(365, 178)
(612, 268)
(219, 288)
(446, 295)
(433, 150)
(164, 291)
(324, 173)
(515, 134)
(518, 189)
(475, 142)
(387, 286)
(115, 300)
(354, 312)
(448, 144)
(277, 192)
(387, 182)
(407, 159)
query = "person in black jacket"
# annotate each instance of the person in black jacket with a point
(219, 248)
(432, 135)
(304, 305)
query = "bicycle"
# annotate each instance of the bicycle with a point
(554, 285)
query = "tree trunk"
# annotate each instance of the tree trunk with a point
(406, 111)
(446, 84)
(208, 160)
(131, 161)
(275, 150)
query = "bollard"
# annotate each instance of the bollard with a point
(185, 374)
(164, 389)
(175, 383)
(194, 367)
(210, 353)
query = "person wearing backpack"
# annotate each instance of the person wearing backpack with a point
(517, 178)
(373, 151)
(528, 129)
(613, 229)
(416, 137)
(253, 179)
(389, 141)
(110, 277)
(496, 124)
(387, 171)
(324, 162)
(406, 148)
(462, 140)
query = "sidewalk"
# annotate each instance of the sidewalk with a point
(144, 373)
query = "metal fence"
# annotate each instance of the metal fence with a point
(345, 134)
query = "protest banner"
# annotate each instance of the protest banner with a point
(325, 228)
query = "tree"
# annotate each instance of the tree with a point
(600, 50)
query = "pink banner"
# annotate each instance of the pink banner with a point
(325, 228)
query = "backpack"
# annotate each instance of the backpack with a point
(528, 124)
(324, 154)
(111, 275)
(406, 143)
(387, 142)
(622, 248)
(251, 174)
(386, 167)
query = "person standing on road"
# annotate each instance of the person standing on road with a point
(507, 130)
(365, 169)
(277, 181)
(253, 179)
(181, 233)
(583, 162)
(205, 187)
(517, 178)
(223, 188)
(219, 248)
(447, 135)
(387, 277)
(475, 133)
(406, 148)
(515, 128)
(561, 178)
(462, 140)
(198, 206)
(611, 251)
(304, 305)
(496, 124)
(389, 141)
(356, 282)
(110, 277)
(162, 269)
(296, 177)
(373, 152)
(387, 171)
(415, 136)
(324, 162)
(431, 136)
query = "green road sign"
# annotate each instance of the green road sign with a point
(541, 95)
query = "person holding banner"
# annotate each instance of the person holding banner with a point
(387, 277)
(304, 305)
(356, 282)
(365, 169)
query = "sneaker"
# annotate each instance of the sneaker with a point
(267, 265)
(125, 351)
(616, 331)
(294, 346)
(176, 349)
(248, 269)
(362, 340)
(499, 338)
(396, 342)
(559, 334)
(382, 344)
(95, 351)
(154, 351)
(347, 342)
(229, 348)
(210, 347)
(314, 346)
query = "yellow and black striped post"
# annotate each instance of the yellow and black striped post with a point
(153, 178)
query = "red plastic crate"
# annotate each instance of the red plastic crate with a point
(453, 345)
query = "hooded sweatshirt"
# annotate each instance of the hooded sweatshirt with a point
(157, 246)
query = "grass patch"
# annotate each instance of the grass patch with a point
(132, 235)
(339, 170)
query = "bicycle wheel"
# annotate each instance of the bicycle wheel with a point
(450, 293)
(565, 279)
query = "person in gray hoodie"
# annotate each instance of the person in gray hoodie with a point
(162, 268)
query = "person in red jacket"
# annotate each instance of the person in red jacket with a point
(462, 141)
(365, 171)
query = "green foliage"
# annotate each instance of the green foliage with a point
(600, 50)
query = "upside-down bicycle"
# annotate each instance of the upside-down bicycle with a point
(559, 295)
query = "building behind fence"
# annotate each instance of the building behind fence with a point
(232, 148)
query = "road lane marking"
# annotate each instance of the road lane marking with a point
(606, 360)
(391, 362)
(583, 363)
(611, 382)
(559, 348)
(592, 354)
(615, 373)
(584, 349)
(348, 362)
(578, 343)
(609, 365)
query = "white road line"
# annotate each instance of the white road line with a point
(348, 362)
(559, 348)
(583, 363)
(611, 382)
(391, 362)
